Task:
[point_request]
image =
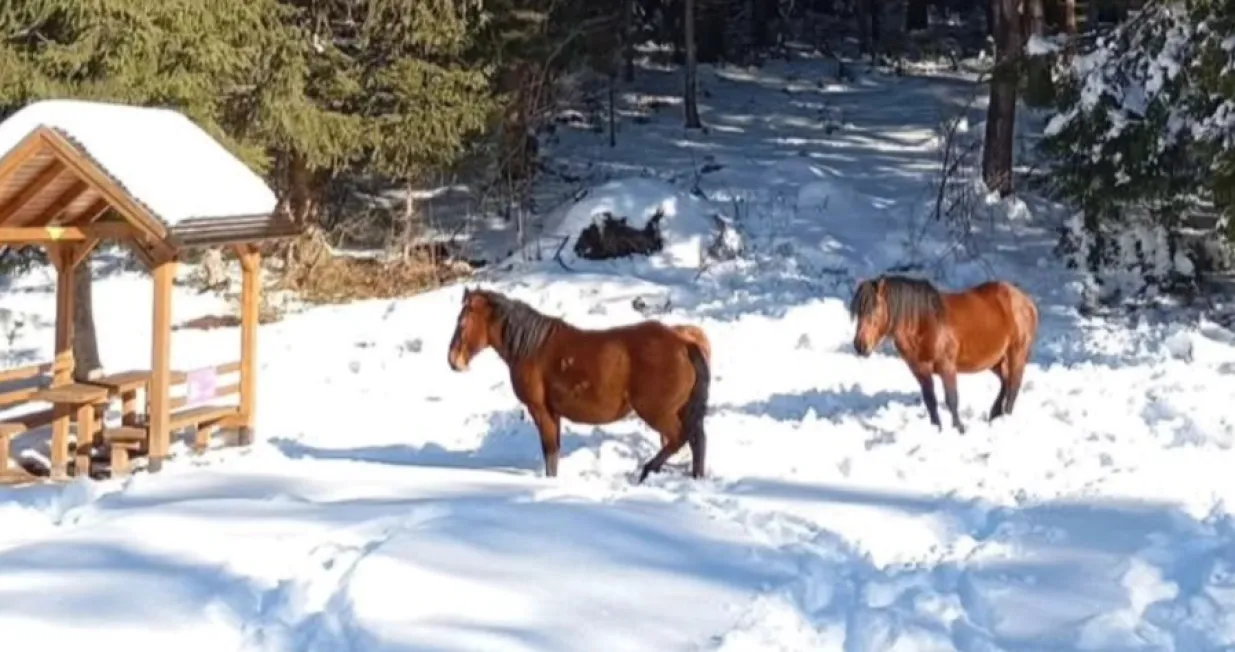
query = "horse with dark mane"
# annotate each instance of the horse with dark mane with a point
(988, 326)
(594, 377)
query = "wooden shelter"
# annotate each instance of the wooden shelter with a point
(74, 174)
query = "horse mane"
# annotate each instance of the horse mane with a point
(524, 329)
(909, 299)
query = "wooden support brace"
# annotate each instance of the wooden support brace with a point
(250, 306)
(119, 459)
(6, 441)
(159, 394)
(61, 255)
(85, 440)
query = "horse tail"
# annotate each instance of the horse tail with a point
(696, 407)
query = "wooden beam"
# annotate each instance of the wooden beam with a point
(61, 254)
(250, 305)
(40, 234)
(159, 394)
(45, 178)
(143, 254)
(81, 252)
(95, 213)
(61, 203)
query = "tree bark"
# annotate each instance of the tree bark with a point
(875, 9)
(690, 101)
(1001, 111)
(612, 110)
(628, 40)
(1035, 18)
(85, 340)
(759, 19)
(917, 15)
(1069, 17)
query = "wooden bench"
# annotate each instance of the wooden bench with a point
(195, 403)
(131, 435)
(18, 385)
(199, 404)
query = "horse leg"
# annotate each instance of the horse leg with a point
(698, 452)
(654, 465)
(1016, 372)
(671, 442)
(949, 396)
(927, 384)
(1001, 372)
(550, 427)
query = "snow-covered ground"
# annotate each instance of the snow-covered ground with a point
(393, 504)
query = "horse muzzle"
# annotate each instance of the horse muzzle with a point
(457, 362)
(861, 350)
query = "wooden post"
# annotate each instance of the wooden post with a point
(250, 305)
(62, 257)
(85, 439)
(160, 364)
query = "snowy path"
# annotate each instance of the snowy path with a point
(394, 505)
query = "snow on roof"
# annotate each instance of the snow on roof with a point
(159, 156)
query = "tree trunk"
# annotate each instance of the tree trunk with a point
(301, 186)
(215, 270)
(759, 19)
(1069, 17)
(917, 15)
(1038, 87)
(862, 10)
(1001, 112)
(875, 9)
(85, 340)
(1035, 18)
(690, 100)
(612, 111)
(628, 40)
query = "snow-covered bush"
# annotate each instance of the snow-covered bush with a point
(1143, 135)
(643, 217)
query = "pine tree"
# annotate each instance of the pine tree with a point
(1142, 135)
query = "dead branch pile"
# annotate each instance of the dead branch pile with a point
(612, 237)
(320, 276)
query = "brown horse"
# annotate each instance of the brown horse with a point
(594, 377)
(989, 326)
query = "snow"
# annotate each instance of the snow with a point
(390, 503)
(1039, 45)
(162, 158)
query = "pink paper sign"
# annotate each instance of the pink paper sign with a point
(201, 385)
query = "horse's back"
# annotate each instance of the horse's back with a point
(1018, 305)
(988, 319)
(640, 345)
